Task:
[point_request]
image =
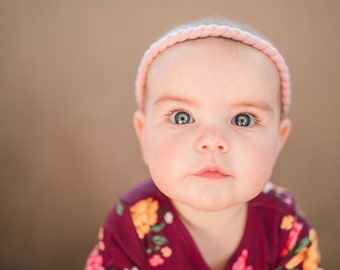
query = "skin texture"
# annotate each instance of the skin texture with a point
(210, 166)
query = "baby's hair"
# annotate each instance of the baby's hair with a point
(213, 27)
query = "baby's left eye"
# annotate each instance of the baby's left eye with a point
(244, 120)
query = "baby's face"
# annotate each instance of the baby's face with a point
(211, 129)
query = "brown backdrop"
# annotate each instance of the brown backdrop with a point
(66, 101)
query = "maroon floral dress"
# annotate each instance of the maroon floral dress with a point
(143, 231)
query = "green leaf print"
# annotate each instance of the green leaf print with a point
(157, 228)
(159, 240)
(302, 244)
(120, 208)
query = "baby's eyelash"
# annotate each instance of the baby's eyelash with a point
(257, 119)
(171, 112)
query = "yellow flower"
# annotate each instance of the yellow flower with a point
(144, 215)
(287, 222)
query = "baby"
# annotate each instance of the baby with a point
(212, 119)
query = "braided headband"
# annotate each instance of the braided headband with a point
(214, 30)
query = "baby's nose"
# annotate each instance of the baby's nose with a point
(212, 140)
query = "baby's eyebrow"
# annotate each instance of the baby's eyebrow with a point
(263, 106)
(172, 98)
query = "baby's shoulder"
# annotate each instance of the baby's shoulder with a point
(277, 199)
(143, 191)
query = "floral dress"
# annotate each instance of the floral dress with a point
(143, 231)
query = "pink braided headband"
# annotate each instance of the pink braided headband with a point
(214, 30)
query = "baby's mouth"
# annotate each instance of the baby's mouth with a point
(212, 172)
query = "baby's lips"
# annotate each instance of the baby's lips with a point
(213, 172)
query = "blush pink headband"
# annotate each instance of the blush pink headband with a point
(214, 30)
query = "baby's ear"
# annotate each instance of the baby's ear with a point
(285, 128)
(139, 124)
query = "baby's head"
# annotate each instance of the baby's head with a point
(211, 120)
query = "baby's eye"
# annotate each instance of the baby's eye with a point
(181, 118)
(244, 120)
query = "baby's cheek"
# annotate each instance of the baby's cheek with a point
(257, 161)
(263, 169)
(168, 155)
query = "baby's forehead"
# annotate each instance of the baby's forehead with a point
(209, 44)
(204, 45)
(204, 51)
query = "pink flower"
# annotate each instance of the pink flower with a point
(240, 264)
(156, 260)
(94, 261)
(292, 238)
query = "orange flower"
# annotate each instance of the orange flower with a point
(101, 233)
(144, 215)
(100, 244)
(297, 259)
(313, 253)
(166, 251)
(310, 257)
(287, 222)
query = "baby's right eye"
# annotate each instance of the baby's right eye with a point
(181, 118)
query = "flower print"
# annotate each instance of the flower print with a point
(297, 259)
(150, 220)
(287, 222)
(279, 192)
(100, 244)
(144, 215)
(166, 251)
(240, 263)
(308, 256)
(101, 233)
(268, 187)
(156, 260)
(94, 261)
(284, 195)
(292, 237)
(313, 253)
(168, 217)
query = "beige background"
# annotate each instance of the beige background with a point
(67, 145)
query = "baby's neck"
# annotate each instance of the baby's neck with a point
(216, 234)
(196, 219)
